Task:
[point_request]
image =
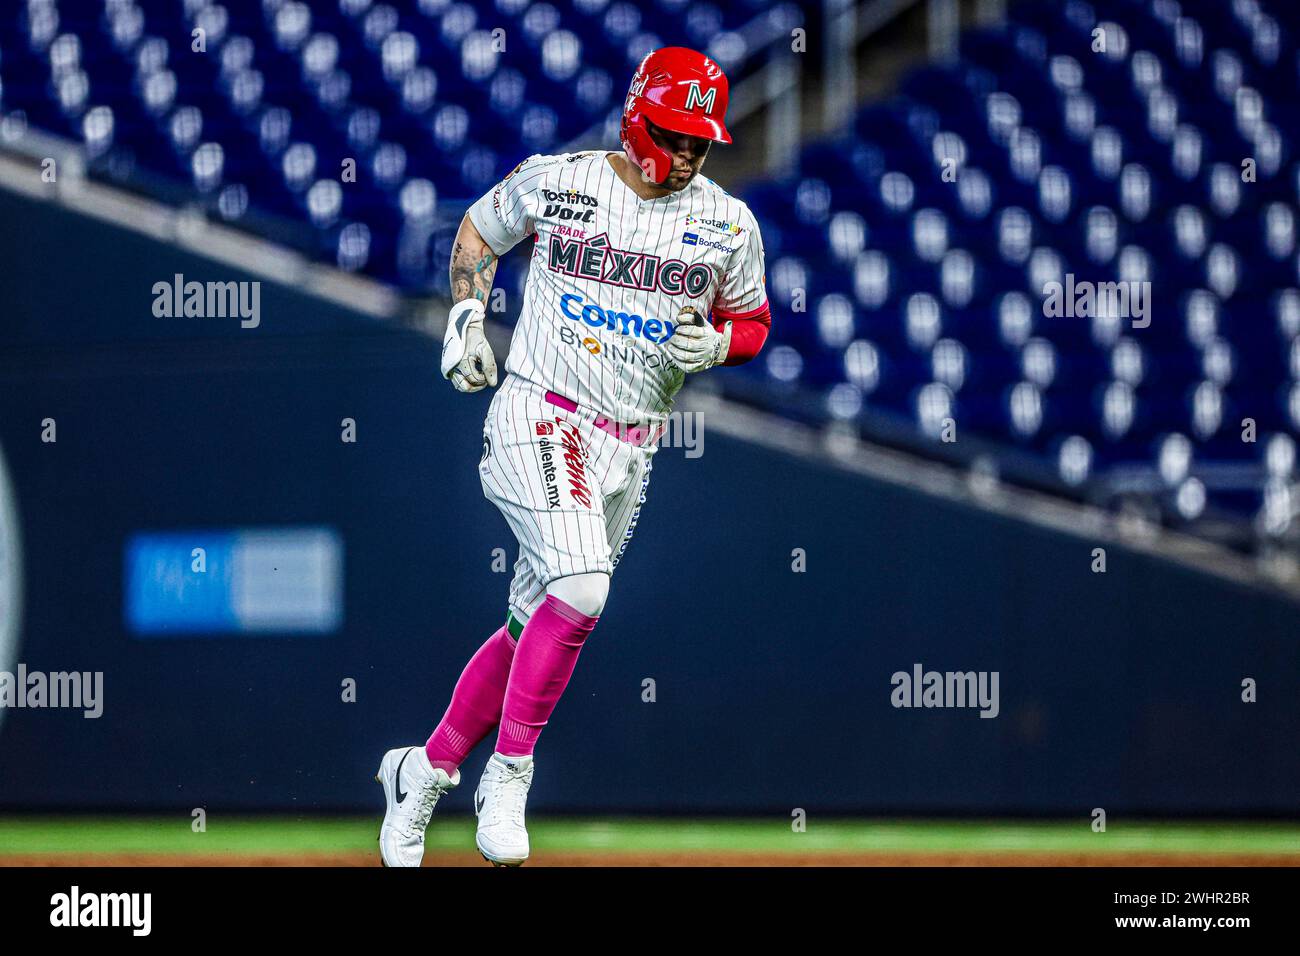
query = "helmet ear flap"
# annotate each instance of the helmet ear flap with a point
(654, 161)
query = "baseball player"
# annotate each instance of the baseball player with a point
(630, 252)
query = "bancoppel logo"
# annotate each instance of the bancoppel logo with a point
(74, 909)
(694, 239)
(721, 246)
(75, 690)
(208, 300)
(922, 688)
(1122, 300)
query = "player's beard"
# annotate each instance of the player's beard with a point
(679, 179)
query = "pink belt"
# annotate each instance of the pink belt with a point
(632, 434)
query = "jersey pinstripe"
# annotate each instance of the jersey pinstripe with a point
(570, 492)
(610, 271)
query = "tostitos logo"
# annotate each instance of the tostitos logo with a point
(572, 307)
(562, 205)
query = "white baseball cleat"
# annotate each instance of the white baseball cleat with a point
(412, 788)
(499, 803)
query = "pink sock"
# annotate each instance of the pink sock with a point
(544, 661)
(475, 706)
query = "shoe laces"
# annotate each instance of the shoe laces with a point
(509, 789)
(427, 796)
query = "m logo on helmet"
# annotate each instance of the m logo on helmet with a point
(695, 98)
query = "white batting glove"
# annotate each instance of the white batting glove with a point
(467, 358)
(695, 347)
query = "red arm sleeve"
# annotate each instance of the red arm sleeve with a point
(748, 332)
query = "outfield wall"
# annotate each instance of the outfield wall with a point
(772, 687)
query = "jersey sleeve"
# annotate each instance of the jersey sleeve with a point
(505, 215)
(743, 294)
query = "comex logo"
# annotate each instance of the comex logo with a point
(628, 323)
(74, 908)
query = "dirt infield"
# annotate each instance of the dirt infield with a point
(671, 859)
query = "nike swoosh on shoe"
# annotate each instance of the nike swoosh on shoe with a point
(397, 780)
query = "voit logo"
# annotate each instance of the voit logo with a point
(569, 205)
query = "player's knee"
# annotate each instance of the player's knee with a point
(585, 593)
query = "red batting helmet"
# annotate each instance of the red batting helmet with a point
(680, 90)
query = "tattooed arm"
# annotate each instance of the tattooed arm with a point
(467, 359)
(473, 265)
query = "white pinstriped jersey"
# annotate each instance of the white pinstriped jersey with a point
(609, 273)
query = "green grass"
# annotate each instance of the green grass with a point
(287, 835)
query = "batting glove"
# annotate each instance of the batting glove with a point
(695, 347)
(467, 358)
